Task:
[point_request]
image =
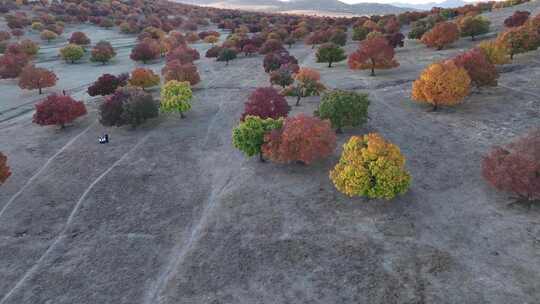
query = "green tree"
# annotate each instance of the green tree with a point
(72, 52)
(344, 109)
(472, 26)
(330, 53)
(360, 33)
(227, 55)
(175, 97)
(248, 136)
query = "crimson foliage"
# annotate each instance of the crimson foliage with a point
(266, 103)
(58, 110)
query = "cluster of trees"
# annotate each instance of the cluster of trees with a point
(447, 83)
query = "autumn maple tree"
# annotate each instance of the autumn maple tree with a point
(282, 76)
(442, 84)
(58, 110)
(183, 54)
(48, 35)
(145, 51)
(372, 167)
(32, 78)
(374, 53)
(266, 103)
(102, 52)
(496, 53)
(175, 70)
(307, 83)
(519, 40)
(518, 18)
(106, 84)
(302, 139)
(79, 38)
(479, 68)
(128, 106)
(143, 78)
(270, 46)
(441, 35)
(515, 168)
(11, 65)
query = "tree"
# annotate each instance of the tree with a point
(338, 37)
(79, 38)
(330, 53)
(29, 47)
(515, 167)
(213, 52)
(307, 84)
(126, 106)
(11, 65)
(395, 39)
(441, 35)
(273, 61)
(360, 33)
(249, 49)
(518, 18)
(477, 65)
(183, 54)
(58, 110)
(344, 109)
(227, 55)
(302, 138)
(106, 84)
(102, 52)
(282, 76)
(5, 36)
(496, 53)
(211, 39)
(519, 40)
(175, 70)
(248, 136)
(374, 53)
(32, 78)
(175, 97)
(442, 83)
(371, 166)
(48, 35)
(4, 169)
(270, 46)
(72, 53)
(143, 78)
(145, 51)
(471, 26)
(266, 103)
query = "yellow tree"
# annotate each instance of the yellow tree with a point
(442, 83)
(495, 52)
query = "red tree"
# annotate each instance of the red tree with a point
(58, 110)
(183, 54)
(395, 40)
(374, 53)
(145, 51)
(11, 65)
(213, 52)
(302, 138)
(4, 169)
(266, 103)
(517, 19)
(79, 38)
(516, 167)
(481, 71)
(249, 49)
(32, 78)
(106, 84)
(271, 45)
(175, 70)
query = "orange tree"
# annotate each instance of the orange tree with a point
(36, 78)
(143, 78)
(519, 40)
(441, 35)
(302, 138)
(374, 53)
(442, 83)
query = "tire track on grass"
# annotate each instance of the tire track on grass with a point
(74, 211)
(47, 163)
